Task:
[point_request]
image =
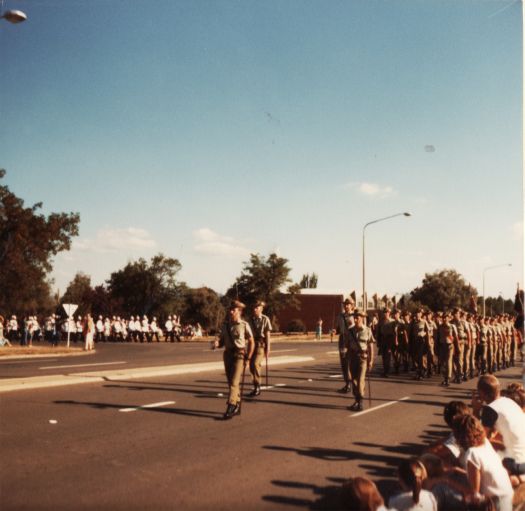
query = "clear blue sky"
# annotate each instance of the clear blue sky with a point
(207, 130)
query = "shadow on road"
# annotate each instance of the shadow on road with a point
(176, 411)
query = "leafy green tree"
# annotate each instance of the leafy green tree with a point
(28, 242)
(444, 290)
(80, 292)
(143, 288)
(203, 305)
(264, 278)
(308, 281)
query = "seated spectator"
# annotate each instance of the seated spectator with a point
(502, 415)
(485, 472)
(449, 450)
(446, 490)
(516, 392)
(361, 494)
(411, 475)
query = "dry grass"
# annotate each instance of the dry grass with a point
(9, 351)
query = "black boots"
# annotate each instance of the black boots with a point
(255, 392)
(231, 410)
(357, 406)
(345, 389)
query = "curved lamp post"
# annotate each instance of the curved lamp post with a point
(365, 304)
(484, 271)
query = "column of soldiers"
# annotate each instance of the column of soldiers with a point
(456, 344)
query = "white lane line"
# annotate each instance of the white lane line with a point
(280, 385)
(284, 351)
(335, 376)
(264, 387)
(380, 406)
(332, 353)
(83, 365)
(152, 405)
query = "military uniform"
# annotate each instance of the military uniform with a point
(345, 321)
(261, 327)
(447, 339)
(360, 354)
(483, 342)
(459, 355)
(388, 334)
(236, 337)
(419, 337)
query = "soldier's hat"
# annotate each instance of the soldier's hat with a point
(348, 301)
(359, 313)
(236, 304)
(386, 309)
(259, 303)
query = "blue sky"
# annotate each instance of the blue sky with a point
(209, 130)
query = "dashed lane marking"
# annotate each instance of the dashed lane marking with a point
(82, 365)
(335, 376)
(152, 405)
(390, 403)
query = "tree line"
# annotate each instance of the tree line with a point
(29, 240)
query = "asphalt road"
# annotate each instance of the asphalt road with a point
(100, 446)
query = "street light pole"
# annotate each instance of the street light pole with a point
(365, 304)
(485, 271)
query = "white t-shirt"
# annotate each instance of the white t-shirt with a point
(511, 425)
(404, 502)
(494, 478)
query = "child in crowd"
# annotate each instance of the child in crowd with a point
(361, 494)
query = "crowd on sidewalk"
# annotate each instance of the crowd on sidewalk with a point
(479, 466)
(53, 329)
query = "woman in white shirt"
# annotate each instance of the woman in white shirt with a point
(485, 472)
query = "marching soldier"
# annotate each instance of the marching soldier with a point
(463, 339)
(361, 357)
(387, 332)
(448, 340)
(403, 331)
(483, 345)
(261, 328)
(345, 321)
(237, 339)
(431, 346)
(419, 334)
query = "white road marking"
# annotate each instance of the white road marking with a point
(220, 394)
(332, 353)
(310, 379)
(267, 388)
(29, 361)
(335, 376)
(280, 385)
(152, 405)
(53, 421)
(283, 351)
(83, 365)
(380, 406)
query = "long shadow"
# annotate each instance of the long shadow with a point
(177, 411)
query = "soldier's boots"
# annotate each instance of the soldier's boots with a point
(255, 392)
(345, 389)
(231, 410)
(357, 406)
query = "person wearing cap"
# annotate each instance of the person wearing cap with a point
(403, 347)
(261, 327)
(464, 338)
(419, 333)
(431, 346)
(387, 336)
(447, 341)
(345, 321)
(361, 357)
(237, 339)
(170, 334)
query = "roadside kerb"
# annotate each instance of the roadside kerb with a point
(37, 382)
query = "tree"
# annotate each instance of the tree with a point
(203, 305)
(80, 292)
(308, 281)
(28, 243)
(443, 290)
(143, 288)
(263, 278)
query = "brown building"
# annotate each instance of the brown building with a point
(312, 306)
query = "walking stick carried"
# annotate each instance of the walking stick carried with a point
(242, 385)
(267, 369)
(369, 390)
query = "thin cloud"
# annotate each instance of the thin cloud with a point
(114, 240)
(212, 243)
(372, 190)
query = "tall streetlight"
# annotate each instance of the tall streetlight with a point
(14, 16)
(485, 271)
(365, 304)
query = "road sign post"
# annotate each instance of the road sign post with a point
(70, 309)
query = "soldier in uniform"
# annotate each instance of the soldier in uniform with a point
(237, 339)
(419, 336)
(361, 357)
(388, 335)
(463, 338)
(345, 321)
(261, 328)
(431, 342)
(482, 355)
(447, 340)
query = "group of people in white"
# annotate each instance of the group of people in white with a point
(104, 329)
